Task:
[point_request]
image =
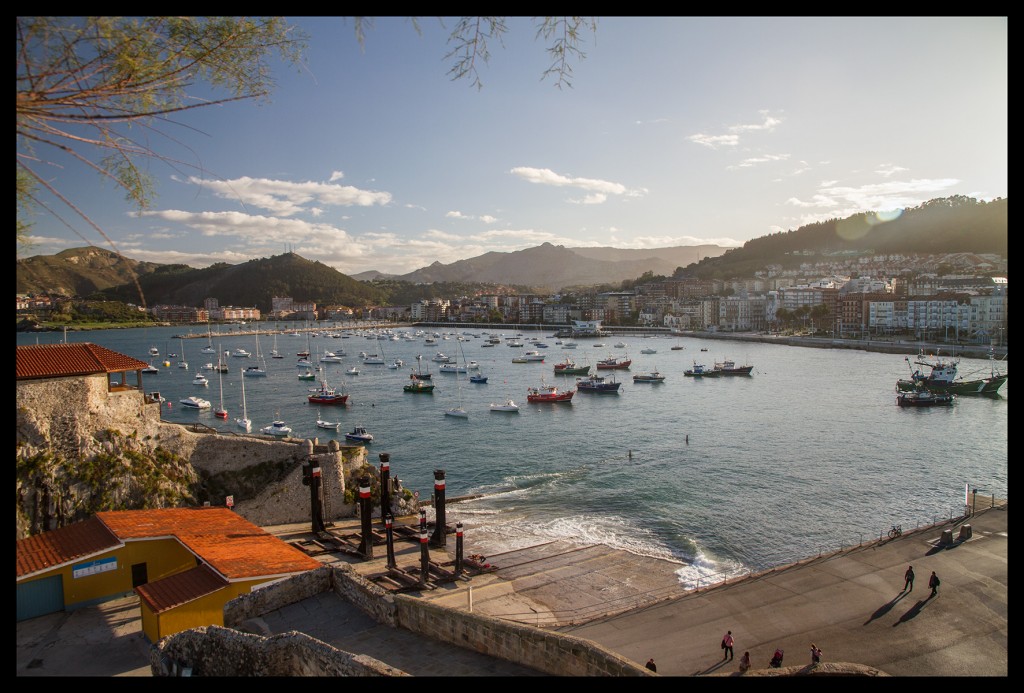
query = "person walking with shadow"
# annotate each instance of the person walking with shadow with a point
(727, 643)
(651, 665)
(908, 578)
(815, 654)
(933, 582)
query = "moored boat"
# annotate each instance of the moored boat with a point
(613, 363)
(699, 370)
(548, 393)
(417, 384)
(277, 428)
(359, 435)
(195, 403)
(943, 377)
(729, 367)
(924, 398)
(326, 395)
(509, 406)
(599, 384)
(652, 377)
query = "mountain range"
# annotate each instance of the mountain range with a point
(955, 224)
(550, 267)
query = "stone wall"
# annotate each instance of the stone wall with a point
(552, 653)
(216, 651)
(64, 421)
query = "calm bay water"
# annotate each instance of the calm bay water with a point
(809, 453)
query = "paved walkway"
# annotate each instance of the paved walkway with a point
(850, 604)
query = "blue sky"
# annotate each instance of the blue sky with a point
(676, 131)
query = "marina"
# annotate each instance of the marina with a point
(719, 475)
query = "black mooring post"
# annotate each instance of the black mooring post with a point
(390, 534)
(385, 484)
(458, 548)
(311, 478)
(440, 535)
(424, 555)
(365, 510)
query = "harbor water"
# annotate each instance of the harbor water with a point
(721, 475)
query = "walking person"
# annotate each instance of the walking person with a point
(933, 582)
(651, 665)
(909, 580)
(727, 643)
(815, 654)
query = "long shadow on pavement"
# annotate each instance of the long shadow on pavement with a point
(913, 611)
(885, 608)
(714, 667)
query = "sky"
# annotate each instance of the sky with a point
(674, 131)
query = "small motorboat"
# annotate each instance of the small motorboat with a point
(329, 425)
(359, 435)
(509, 406)
(150, 369)
(195, 403)
(352, 371)
(477, 378)
(277, 428)
(200, 380)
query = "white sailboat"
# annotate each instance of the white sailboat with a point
(182, 363)
(208, 349)
(275, 354)
(220, 412)
(260, 369)
(458, 411)
(244, 422)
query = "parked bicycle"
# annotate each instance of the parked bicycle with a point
(897, 530)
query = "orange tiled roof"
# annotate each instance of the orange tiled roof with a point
(230, 544)
(59, 546)
(61, 360)
(221, 538)
(179, 589)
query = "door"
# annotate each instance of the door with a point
(139, 575)
(40, 597)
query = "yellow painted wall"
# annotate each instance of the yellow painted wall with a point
(205, 611)
(162, 557)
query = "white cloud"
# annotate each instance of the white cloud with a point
(731, 140)
(886, 170)
(838, 202)
(285, 198)
(336, 175)
(715, 141)
(545, 176)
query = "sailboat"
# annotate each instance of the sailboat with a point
(260, 369)
(459, 411)
(208, 349)
(274, 353)
(244, 422)
(220, 412)
(182, 363)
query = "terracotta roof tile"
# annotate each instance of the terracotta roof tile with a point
(230, 544)
(62, 360)
(181, 588)
(64, 545)
(244, 557)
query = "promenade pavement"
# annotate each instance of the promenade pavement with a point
(850, 604)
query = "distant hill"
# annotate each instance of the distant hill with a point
(947, 225)
(252, 283)
(938, 227)
(77, 272)
(553, 267)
